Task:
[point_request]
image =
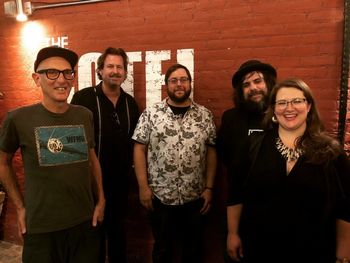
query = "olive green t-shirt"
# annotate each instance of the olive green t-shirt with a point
(55, 152)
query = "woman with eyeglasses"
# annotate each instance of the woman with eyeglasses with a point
(294, 205)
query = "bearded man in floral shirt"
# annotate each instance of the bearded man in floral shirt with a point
(175, 165)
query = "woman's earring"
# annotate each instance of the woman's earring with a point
(274, 119)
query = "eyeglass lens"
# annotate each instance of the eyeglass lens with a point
(175, 80)
(53, 74)
(293, 102)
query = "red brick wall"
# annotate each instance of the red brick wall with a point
(301, 38)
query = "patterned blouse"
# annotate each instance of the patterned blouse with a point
(177, 150)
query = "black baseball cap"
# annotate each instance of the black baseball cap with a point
(249, 66)
(56, 51)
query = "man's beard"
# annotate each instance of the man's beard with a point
(181, 99)
(256, 106)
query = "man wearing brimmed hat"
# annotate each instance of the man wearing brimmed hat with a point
(59, 215)
(252, 83)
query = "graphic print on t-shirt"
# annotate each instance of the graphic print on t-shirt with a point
(57, 145)
(250, 131)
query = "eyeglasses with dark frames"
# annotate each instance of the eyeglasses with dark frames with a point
(54, 74)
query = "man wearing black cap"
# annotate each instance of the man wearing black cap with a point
(64, 200)
(252, 84)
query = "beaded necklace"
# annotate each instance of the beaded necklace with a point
(291, 155)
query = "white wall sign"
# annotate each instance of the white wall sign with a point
(153, 63)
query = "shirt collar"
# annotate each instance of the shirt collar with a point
(165, 105)
(99, 91)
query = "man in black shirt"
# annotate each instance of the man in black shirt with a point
(252, 83)
(115, 117)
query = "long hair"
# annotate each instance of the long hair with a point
(317, 145)
(270, 82)
(111, 51)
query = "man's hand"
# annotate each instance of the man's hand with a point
(146, 197)
(21, 222)
(98, 213)
(234, 247)
(207, 196)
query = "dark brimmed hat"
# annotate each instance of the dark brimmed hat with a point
(56, 51)
(249, 66)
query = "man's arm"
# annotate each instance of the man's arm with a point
(140, 162)
(211, 163)
(10, 183)
(98, 188)
(343, 240)
(234, 245)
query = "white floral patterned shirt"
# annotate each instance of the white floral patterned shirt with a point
(176, 152)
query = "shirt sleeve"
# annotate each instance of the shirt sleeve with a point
(240, 167)
(91, 130)
(211, 130)
(143, 128)
(9, 140)
(237, 174)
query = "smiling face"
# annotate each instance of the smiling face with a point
(255, 91)
(290, 112)
(56, 91)
(113, 72)
(179, 87)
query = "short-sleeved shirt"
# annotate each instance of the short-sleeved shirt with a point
(176, 152)
(116, 123)
(55, 152)
(237, 125)
(114, 126)
(233, 136)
